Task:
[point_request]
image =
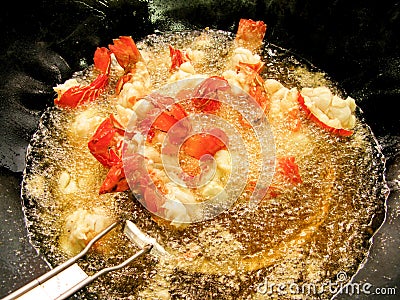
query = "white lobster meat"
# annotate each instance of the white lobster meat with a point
(66, 184)
(125, 115)
(175, 209)
(234, 76)
(223, 160)
(86, 123)
(137, 87)
(283, 101)
(243, 55)
(330, 109)
(83, 225)
(185, 71)
(237, 79)
(62, 88)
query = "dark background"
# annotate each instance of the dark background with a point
(42, 42)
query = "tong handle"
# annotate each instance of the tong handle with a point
(90, 279)
(45, 277)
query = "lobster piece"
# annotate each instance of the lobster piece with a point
(293, 121)
(78, 95)
(127, 55)
(250, 34)
(205, 143)
(102, 60)
(106, 143)
(246, 65)
(205, 95)
(314, 117)
(126, 52)
(141, 181)
(121, 81)
(289, 169)
(169, 117)
(256, 67)
(178, 57)
(256, 89)
(115, 180)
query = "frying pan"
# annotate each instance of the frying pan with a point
(42, 43)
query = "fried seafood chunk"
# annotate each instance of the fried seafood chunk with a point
(62, 88)
(81, 226)
(66, 184)
(237, 79)
(244, 56)
(283, 101)
(86, 123)
(185, 71)
(125, 115)
(330, 109)
(137, 86)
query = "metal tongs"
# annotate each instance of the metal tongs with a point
(68, 278)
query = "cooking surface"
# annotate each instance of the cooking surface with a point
(368, 72)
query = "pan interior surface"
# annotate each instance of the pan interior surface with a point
(307, 234)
